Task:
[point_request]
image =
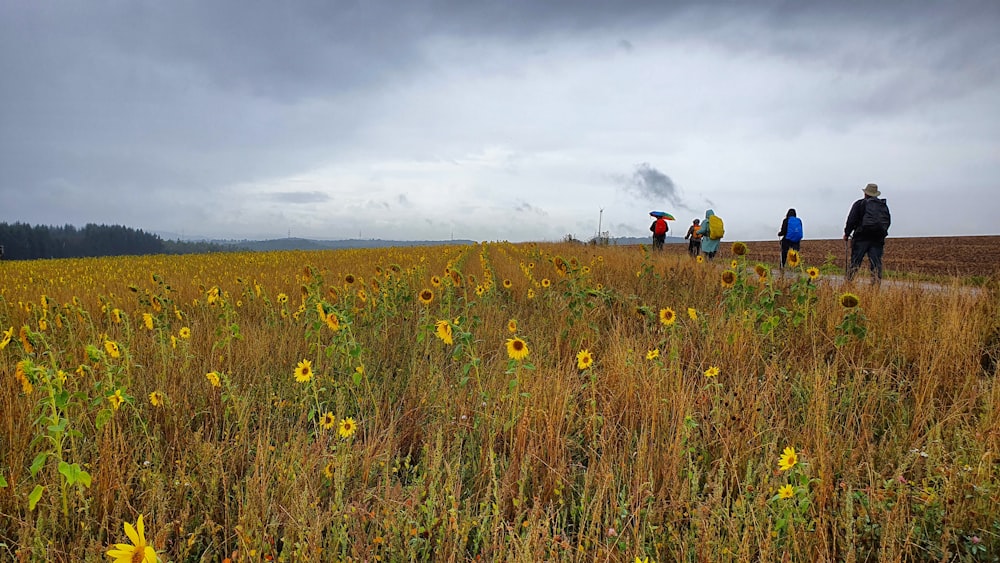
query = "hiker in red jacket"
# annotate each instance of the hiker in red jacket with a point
(659, 229)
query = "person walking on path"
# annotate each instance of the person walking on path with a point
(659, 229)
(694, 244)
(791, 235)
(710, 239)
(867, 226)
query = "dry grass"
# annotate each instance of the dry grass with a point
(464, 454)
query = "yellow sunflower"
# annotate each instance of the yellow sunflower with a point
(213, 378)
(442, 329)
(332, 321)
(728, 279)
(507, 284)
(700, 259)
(327, 421)
(184, 333)
(788, 459)
(667, 316)
(436, 281)
(303, 371)
(147, 320)
(7, 335)
(786, 492)
(139, 551)
(713, 371)
(560, 265)
(793, 258)
(349, 279)
(584, 359)
(426, 297)
(156, 398)
(849, 301)
(117, 399)
(692, 314)
(739, 248)
(653, 354)
(282, 298)
(112, 348)
(531, 293)
(512, 326)
(347, 428)
(813, 272)
(546, 282)
(517, 349)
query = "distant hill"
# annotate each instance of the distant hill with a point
(645, 240)
(310, 244)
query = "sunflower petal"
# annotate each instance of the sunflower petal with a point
(149, 555)
(131, 533)
(124, 552)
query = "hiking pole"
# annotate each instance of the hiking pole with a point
(847, 257)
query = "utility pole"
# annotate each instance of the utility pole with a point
(599, 219)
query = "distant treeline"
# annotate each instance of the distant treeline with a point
(22, 241)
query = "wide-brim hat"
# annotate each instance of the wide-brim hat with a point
(871, 190)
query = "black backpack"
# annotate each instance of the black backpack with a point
(876, 219)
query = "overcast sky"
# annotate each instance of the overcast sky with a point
(512, 119)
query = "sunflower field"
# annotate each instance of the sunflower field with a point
(492, 402)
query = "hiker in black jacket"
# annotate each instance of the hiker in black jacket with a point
(868, 222)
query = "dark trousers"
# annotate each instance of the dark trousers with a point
(694, 247)
(658, 241)
(785, 246)
(873, 250)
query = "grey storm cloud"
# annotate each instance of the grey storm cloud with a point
(525, 207)
(299, 197)
(649, 183)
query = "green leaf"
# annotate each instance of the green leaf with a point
(68, 472)
(3, 482)
(35, 496)
(38, 463)
(62, 399)
(58, 427)
(356, 378)
(84, 478)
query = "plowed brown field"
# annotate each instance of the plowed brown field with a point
(929, 256)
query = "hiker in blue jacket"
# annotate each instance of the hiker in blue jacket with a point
(791, 235)
(709, 245)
